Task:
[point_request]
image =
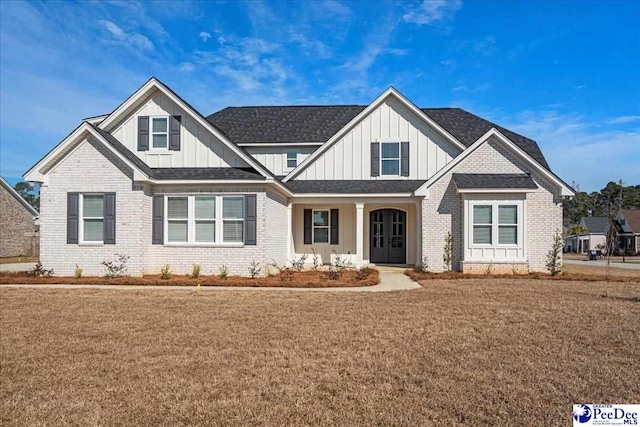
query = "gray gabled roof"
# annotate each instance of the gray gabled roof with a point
(318, 123)
(354, 186)
(596, 224)
(494, 181)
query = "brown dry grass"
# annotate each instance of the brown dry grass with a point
(302, 279)
(473, 352)
(569, 273)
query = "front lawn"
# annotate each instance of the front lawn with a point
(473, 352)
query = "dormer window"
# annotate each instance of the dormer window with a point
(160, 132)
(292, 159)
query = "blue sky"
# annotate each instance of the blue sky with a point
(563, 73)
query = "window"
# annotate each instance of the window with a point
(321, 226)
(482, 224)
(232, 219)
(160, 132)
(495, 222)
(390, 158)
(205, 219)
(292, 159)
(92, 217)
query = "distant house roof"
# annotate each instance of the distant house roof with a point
(495, 181)
(18, 197)
(632, 219)
(354, 186)
(318, 123)
(595, 224)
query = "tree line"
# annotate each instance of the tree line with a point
(606, 202)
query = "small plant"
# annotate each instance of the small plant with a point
(118, 267)
(77, 273)
(39, 271)
(337, 267)
(489, 269)
(446, 256)
(298, 263)
(223, 272)
(284, 273)
(422, 267)
(605, 294)
(363, 273)
(316, 260)
(254, 269)
(331, 274)
(554, 256)
(195, 271)
(165, 272)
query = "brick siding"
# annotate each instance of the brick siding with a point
(17, 230)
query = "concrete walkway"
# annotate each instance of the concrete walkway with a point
(388, 282)
(19, 266)
(602, 263)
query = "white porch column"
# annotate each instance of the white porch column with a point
(359, 234)
(418, 232)
(290, 231)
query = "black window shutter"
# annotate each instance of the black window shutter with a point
(404, 158)
(143, 133)
(157, 237)
(308, 217)
(250, 219)
(375, 159)
(174, 133)
(72, 217)
(334, 227)
(109, 223)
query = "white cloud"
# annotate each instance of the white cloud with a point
(432, 10)
(204, 36)
(623, 120)
(135, 40)
(313, 48)
(186, 67)
(483, 87)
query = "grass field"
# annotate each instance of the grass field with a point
(472, 352)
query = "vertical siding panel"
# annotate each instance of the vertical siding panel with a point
(394, 123)
(340, 159)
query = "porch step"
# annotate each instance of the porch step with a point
(395, 268)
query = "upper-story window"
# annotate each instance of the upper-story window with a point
(292, 159)
(390, 158)
(160, 132)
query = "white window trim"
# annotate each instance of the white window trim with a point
(286, 160)
(191, 221)
(81, 219)
(328, 227)
(151, 133)
(495, 204)
(381, 143)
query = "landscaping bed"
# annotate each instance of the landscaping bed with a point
(293, 279)
(615, 275)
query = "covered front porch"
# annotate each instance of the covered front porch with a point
(366, 231)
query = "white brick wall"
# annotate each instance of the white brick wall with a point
(443, 210)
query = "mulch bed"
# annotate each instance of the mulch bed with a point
(576, 277)
(302, 279)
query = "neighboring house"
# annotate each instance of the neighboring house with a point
(376, 184)
(595, 236)
(628, 221)
(18, 218)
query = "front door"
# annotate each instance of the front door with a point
(388, 236)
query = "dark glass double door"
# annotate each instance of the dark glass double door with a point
(388, 236)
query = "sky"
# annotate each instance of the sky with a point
(565, 73)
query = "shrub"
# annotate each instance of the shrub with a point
(254, 269)
(118, 267)
(195, 271)
(363, 273)
(284, 273)
(77, 272)
(446, 257)
(298, 264)
(39, 271)
(331, 274)
(165, 272)
(223, 272)
(316, 260)
(422, 267)
(337, 267)
(554, 256)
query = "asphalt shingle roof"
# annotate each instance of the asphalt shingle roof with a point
(354, 186)
(318, 123)
(596, 224)
(478, 181)
(632, 217)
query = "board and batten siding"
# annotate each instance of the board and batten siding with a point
(350, 157)
(198, 146)
(275, 158)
